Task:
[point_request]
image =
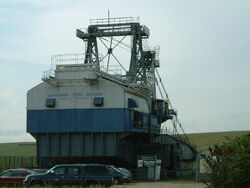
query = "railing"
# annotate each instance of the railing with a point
(167, 131)
(58, 61)
(118, 20)
(112, 69)
(61, 60)
(84, 30)
(48, 74)
(145, 128)
(66, 59)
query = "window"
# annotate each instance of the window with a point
(96, 170)
(98, 101)
(50, 102)
(138, 119)
(59, 170)
(132, 103)
(73, 171)
(19, 174)
(7, 174)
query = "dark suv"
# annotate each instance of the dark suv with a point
(119, 176)
(72, 174)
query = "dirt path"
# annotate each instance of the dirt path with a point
(162, 184)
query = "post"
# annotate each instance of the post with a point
(22, 161)
(5, 162)
(155, 158)
(197, 173)
(14, 161)
(31, 159)
(9, 162)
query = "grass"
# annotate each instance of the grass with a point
(91, 186)
(18, 149)
(17, 155)
(204, 140)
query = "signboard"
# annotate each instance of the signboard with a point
(148, 163)
(140, 163)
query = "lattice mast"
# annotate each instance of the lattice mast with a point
(142, 61)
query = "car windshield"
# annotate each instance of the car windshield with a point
(32, 172)
(124, 170)
(17, 172)
(6, 174)
(117, 170)
(40, 170)
(114, 169)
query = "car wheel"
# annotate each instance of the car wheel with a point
(37, 184)
(116, 181)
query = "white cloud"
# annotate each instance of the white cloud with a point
(12, 114)
(52, 32)
(8, 99)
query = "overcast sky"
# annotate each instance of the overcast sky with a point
(204, 57)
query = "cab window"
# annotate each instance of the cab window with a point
(59, 170)
(96, 170)
(73, 170)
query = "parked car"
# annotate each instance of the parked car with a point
(39, 170)
(130, 175)
(13, 177)
(72, 174)
(119, 176)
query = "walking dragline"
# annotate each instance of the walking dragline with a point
(102, 106)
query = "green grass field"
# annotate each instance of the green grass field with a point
(17, 155)
(18, 149)
(201, 140)
(204, 140)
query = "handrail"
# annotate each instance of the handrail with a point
(114, 20)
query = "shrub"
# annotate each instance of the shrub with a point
(229, 163)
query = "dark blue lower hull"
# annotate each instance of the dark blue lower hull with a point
(88, 120)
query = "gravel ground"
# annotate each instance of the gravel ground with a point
(162, 184)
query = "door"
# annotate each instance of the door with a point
(6, 178)
(57, 176)
(18, 176)
(73, 176)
